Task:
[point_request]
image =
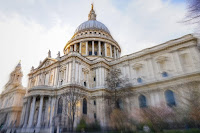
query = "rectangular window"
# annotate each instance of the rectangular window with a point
(85, 84)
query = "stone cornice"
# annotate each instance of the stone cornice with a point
(161, 47)
(53, 91)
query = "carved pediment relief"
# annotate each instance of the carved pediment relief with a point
(137, 66)
(161, 59)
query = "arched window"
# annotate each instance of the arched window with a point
(84, 106)
(60, 104)
(142, 101)
(169, 96)
(119, 104)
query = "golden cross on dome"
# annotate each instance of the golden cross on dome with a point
(92, 5)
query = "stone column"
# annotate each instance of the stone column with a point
(86, 48)
(80, 47)
(92, 47)
(99, 48)
(52, 110)
(114, 52)
(75, 47)
(48, 112)
(110, 50)
(105, 49)
(27, 112)
(117, 53)
(30, 122)
(40, 112)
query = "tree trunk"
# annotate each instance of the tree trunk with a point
(73, 123)
(115, 98)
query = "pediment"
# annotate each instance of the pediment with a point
(47, 62)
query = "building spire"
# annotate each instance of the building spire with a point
(92, 15)
(19, 64)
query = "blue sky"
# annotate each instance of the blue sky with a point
(29, 28)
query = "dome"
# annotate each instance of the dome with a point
(92, 38)
(92, 24)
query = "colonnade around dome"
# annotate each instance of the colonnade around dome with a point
(94, 48)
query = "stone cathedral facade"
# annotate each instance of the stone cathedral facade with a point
(88, 56)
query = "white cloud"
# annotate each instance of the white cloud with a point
(143, 23)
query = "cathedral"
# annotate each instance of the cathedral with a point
(88, 57)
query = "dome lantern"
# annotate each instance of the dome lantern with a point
(92, 15)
